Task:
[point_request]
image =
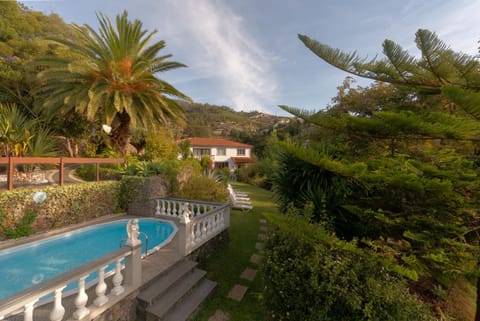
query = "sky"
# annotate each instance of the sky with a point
(245, 54)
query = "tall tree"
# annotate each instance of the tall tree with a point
(23, 34)
(111, 77)
(401, 172)
(438, 70)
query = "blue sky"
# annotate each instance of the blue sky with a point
(245, 54)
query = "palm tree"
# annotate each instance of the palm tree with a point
(110, 77)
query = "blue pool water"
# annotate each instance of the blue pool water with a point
(24, 266)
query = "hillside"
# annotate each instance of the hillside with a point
(205, 120)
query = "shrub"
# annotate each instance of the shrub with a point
(88, 172)
(202, 188)
(312, 275)
(167, 169)
(22, 228)
(64, 205)
(257, 174)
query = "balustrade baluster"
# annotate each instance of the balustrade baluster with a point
(176, 207)
(101, 288)
(204, 209)
(28, 311)
(81, 300)
(192, 235)
(163, 208)
(210, 225)
(222, 219)
(157, 208)
(204, 229)
(215, 222)
(198, 232)
(58, 310)
(168, 208)
(118, 278)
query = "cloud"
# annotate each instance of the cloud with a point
(216, 44)
(459, 27)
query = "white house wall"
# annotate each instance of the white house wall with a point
(229, 153)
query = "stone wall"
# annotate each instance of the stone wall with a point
(142, 204)
(125, 310)
(209, 248)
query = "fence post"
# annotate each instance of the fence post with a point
(97, 171)
(61, 173)
(11, 167)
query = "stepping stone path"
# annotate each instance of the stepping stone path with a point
(255, 258)
(259, 246)
(248, 274)
(219, 316)
(237, 292)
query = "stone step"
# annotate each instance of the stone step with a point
(184, 309)
(163, 283)
(168, 299)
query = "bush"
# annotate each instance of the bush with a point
(88, 173)
(64, 205)
(22, 228)
(167, 169)
(311, 275)
(203, 188)
(255, 174)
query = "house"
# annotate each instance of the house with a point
(222, 152)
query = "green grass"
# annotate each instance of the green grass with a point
(226, 265)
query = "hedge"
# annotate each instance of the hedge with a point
(64, 205)
(312, 275)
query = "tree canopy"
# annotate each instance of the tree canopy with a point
(111, 76)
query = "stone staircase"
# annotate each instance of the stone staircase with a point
(175, 294)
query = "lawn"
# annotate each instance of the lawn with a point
(226, 265)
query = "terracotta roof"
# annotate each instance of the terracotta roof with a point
(201, 141)
(243, 160)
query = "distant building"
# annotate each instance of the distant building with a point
(222, 152)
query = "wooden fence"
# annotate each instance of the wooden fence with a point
(11, 162)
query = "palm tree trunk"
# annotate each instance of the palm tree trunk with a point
(120, 136)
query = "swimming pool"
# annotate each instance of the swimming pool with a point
(24, 266)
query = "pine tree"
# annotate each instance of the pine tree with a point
(401, 171)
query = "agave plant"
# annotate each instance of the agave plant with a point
(15, 132)
(21, 136)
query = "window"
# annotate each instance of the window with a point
(241, 152)
(221, 151)
(201, 151)
(221, 165)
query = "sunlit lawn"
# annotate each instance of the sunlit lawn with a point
(226, 265)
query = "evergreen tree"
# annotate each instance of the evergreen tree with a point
(400, 170)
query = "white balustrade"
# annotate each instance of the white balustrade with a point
(201, 228)
(25, 302)
(175, 207)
